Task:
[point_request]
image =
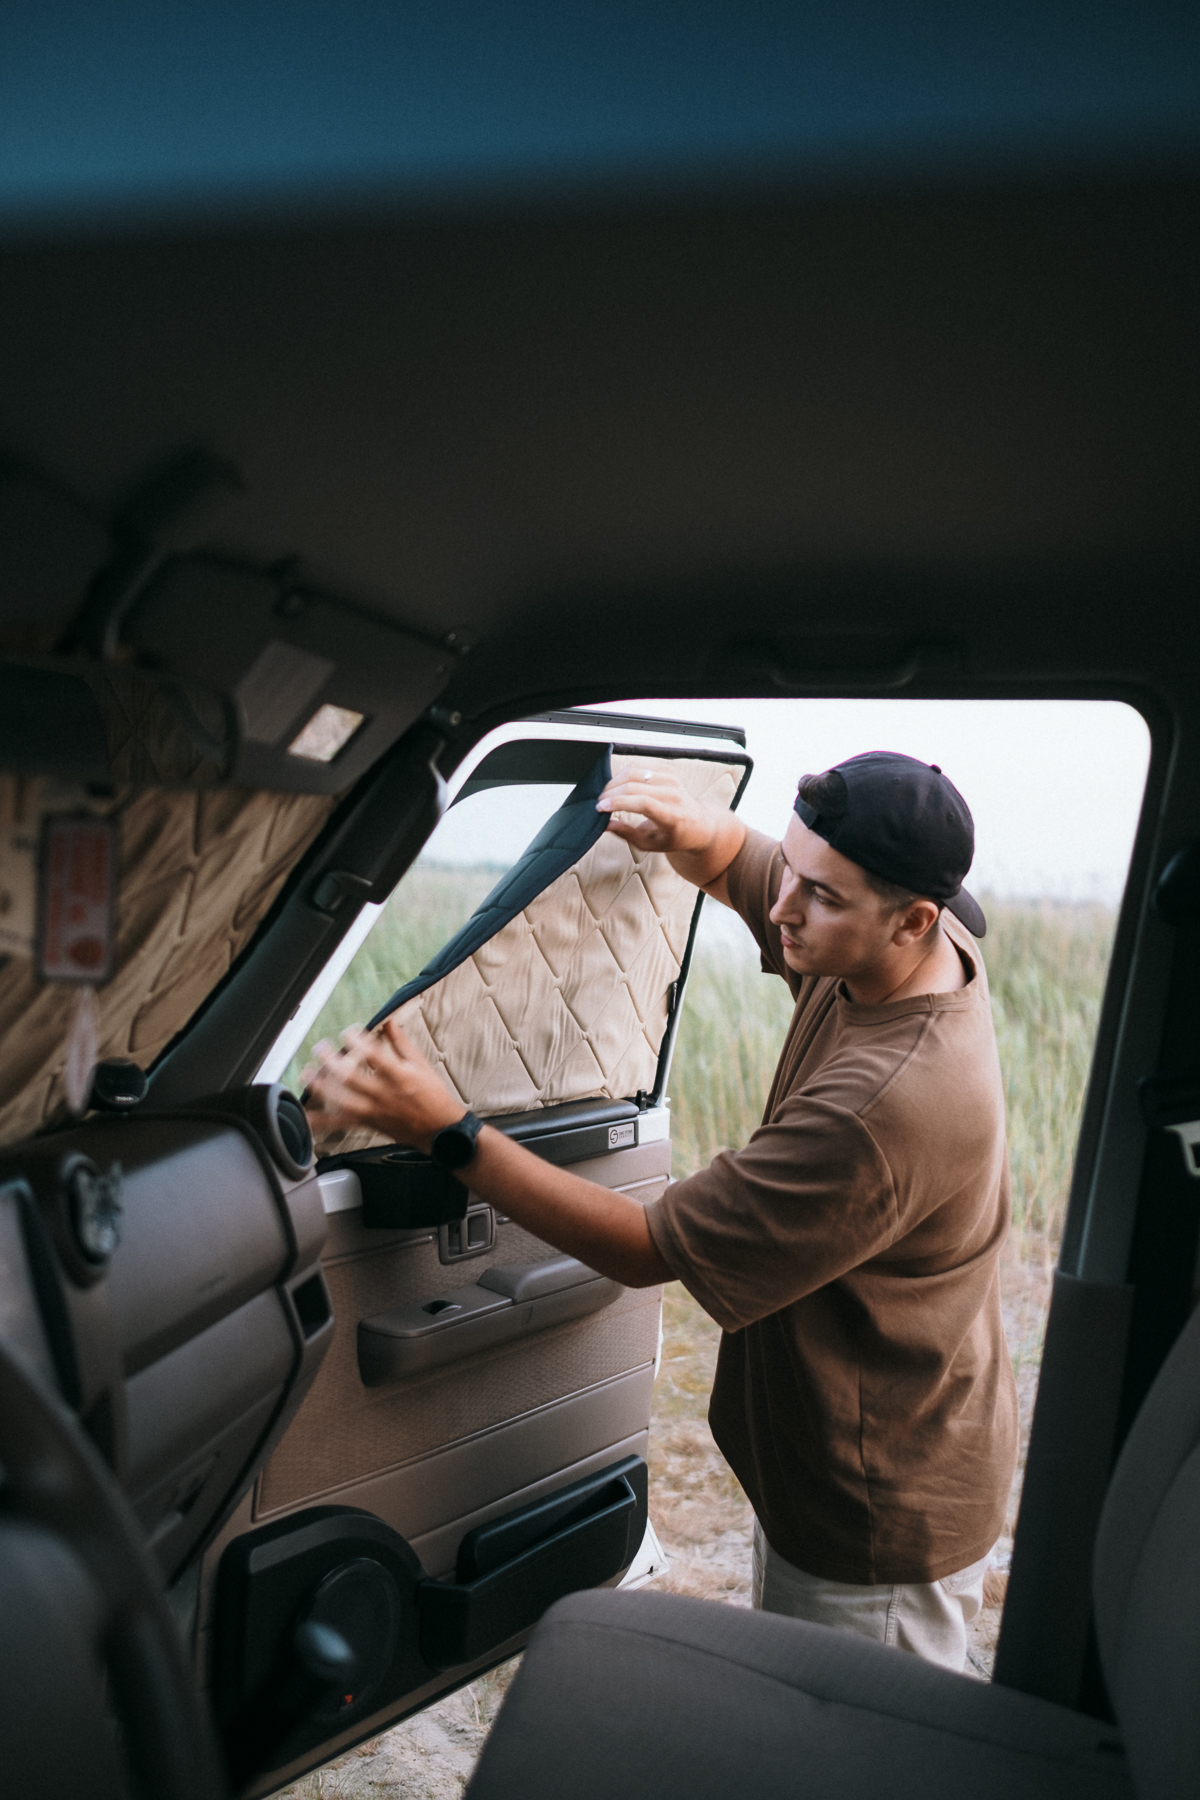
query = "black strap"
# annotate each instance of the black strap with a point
(566, 836)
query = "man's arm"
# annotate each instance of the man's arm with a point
(379, 1079)
(700, 841)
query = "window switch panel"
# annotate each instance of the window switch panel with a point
(473, 1235)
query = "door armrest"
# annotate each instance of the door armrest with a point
(531, 1281)
(507, 1302)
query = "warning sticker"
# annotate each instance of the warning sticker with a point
(75, 899)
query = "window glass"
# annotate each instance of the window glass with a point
(478, 839)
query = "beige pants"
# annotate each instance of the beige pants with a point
(929, 1619)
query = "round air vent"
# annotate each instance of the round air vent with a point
(92, 1211)
(276, 1116)
(294, 1151)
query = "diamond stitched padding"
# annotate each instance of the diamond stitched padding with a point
(197, 871)
(569, 1001)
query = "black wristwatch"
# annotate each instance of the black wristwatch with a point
(454, 1146)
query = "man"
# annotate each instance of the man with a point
(864, 1394)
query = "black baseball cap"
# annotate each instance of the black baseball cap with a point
(902, 820)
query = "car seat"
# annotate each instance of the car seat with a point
(680, 1699)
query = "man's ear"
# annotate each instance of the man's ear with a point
(915, 921)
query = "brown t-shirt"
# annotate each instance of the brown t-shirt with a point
(864, 1394)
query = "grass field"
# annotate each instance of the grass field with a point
(1046, 965)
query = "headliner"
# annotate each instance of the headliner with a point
(914, 370)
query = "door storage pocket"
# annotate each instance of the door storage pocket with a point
(401, 1189)
(511, 1569)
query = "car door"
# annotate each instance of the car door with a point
(474, 1443)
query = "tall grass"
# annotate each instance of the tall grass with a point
(733, 1026)
(1046, 964)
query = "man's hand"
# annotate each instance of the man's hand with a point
(700, 841)
(378, 1078)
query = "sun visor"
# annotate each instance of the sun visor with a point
(318, 689)
(51, 724)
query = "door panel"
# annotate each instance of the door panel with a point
(568, 1006)
(346, 1432)
(560, 1438)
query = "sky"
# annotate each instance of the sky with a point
(1054, 786)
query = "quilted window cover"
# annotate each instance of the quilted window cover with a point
(570, 1000)
(564, 838)
(198, 865)
(197, 870)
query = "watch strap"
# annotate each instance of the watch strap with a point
(454, 1145)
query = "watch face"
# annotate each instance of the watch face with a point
(455, 1146)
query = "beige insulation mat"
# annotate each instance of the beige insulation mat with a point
(569, 1001)
(196, 873)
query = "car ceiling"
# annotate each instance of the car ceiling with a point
(841, 353)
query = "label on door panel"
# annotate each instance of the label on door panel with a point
(622, 1137)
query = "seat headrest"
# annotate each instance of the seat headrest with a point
(1146, 1580)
